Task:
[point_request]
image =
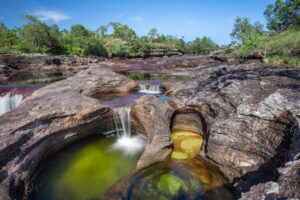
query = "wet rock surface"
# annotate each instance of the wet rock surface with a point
(250, 121)
(255, 119)
(50, 119)
(153, 118)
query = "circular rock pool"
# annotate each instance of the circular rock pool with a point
(82, 171)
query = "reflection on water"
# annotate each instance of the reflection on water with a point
(83, 171)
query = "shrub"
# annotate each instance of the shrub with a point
(8, 38)
(82, 42)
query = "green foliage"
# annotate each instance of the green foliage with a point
(243, 29)
(82, 42)
(125, 43)
(122, 31)
(113, 39)
(279, 44)
(38, 37)
(251, 46)
(283, 15)
(284, 60)
(282, 43)
(202, 46)
(116, 47)
(278, 48)
(153, 34)
(8, 38)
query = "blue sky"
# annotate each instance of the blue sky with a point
(188, 18)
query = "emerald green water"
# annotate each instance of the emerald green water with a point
(82, 172)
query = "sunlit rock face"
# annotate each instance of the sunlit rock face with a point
(253, 119)
(151, 116)
(51, 118)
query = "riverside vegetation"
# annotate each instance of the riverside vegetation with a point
(279, 43)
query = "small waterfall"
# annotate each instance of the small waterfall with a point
(149, 89)
(8, 102)
(126, 142)
(122, 117)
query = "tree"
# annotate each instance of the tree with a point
(123, 32)
(243, 29)
(283, 15)
(202, 46)
(153, 34)
(102, 31)
(8, 38)
(38, 37)
(82, 42)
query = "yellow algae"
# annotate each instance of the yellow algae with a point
(179, 155)
(187, 144)
(206, 178)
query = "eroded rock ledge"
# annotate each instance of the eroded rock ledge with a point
(251, 115)
(50, 119)
(253, 122)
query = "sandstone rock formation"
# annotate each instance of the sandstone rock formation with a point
(50, 119)
(254, 119)
(250, 115)
(153, 118)
(15, 67)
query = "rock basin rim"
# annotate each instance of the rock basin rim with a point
(248, 113)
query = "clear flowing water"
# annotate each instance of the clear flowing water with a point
(149, 89)
(83, 171)
(126, 142)
(8, 102)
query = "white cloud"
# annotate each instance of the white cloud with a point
(137, 19)
(51, 15)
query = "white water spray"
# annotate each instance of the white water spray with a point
(8, 102)
(149, 89)
(127, 143)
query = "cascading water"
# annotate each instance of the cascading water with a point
(9, 102)
(126, 142)
(122, 117)
(149, 89)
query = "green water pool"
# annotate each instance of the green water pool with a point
(83, 171)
